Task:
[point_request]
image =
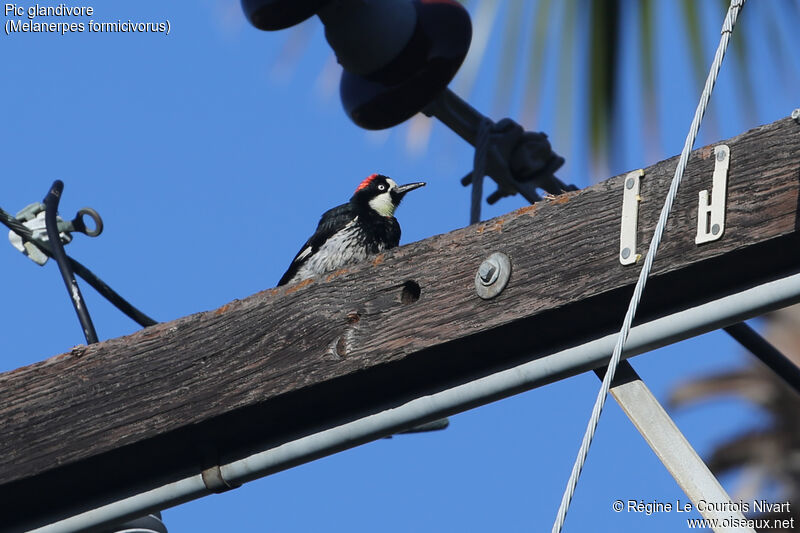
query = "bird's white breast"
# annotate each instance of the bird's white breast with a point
(342, 249)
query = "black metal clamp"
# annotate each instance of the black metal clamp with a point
(28, 231)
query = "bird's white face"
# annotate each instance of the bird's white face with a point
(383, 203)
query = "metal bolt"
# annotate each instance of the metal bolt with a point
(721, 154)
(715, 229)
(629, 183)
(796, 115)
(492, 275)
(488, 272)
(626, 252)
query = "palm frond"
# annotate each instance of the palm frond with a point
(603, 65)
(533, 78)
(755, 387)
(650, 115)
(566, 76)
(509, 58)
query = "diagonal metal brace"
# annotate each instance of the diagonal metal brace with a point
(672, 448)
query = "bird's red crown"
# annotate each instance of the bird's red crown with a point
(367, 181)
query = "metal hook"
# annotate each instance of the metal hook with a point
(79, 225)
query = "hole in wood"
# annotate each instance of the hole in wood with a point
(341, 347)
(410, 293)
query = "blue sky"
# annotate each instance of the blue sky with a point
(210, 157)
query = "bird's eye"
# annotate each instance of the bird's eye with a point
(381, 187)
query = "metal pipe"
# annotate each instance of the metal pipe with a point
(783, 367)
(541, 371)
(456, 113)
(51, 208)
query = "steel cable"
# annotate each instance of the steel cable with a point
(727, 28)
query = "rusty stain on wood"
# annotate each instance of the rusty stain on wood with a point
(297, 286)
(498, 224)
(270, 292)
(336, 274)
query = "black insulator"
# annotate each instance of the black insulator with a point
(421, 71)
(270, 15)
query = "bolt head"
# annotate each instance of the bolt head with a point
(629, 183)
(487, 272)
(796, 115)
(492, 275)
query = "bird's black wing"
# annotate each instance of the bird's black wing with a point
(331, 221)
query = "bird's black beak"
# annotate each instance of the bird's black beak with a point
(403, 189)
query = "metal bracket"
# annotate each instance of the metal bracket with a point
(630, 218)
(518, 161)
(711, 210)
(216, 482)
(32, 217)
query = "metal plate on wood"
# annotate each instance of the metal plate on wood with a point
(630, 218)
(711, 211)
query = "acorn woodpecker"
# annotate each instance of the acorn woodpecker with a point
(351, 232)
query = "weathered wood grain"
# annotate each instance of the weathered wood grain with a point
(284, 361)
